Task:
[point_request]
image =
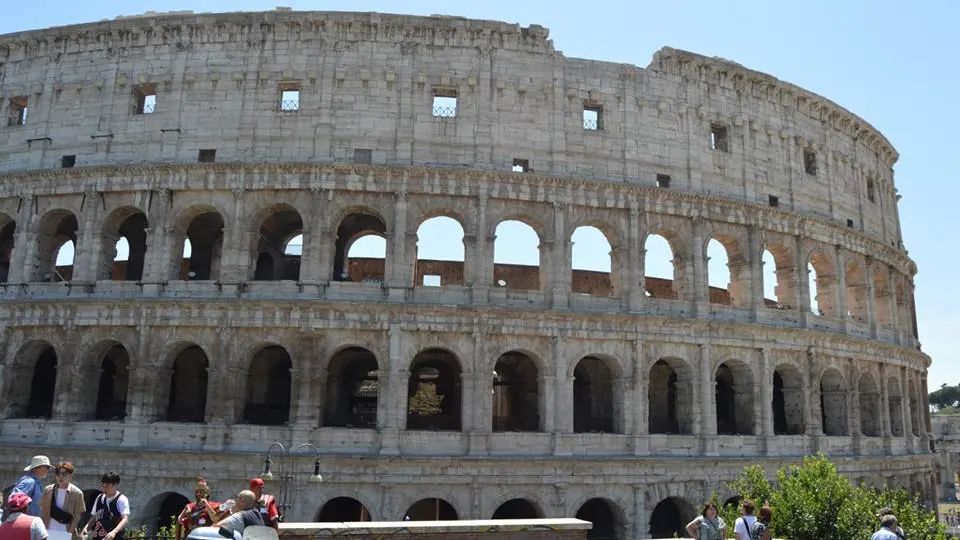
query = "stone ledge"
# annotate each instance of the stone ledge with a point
(379, 528)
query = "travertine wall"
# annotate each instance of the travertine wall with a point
(646, 391)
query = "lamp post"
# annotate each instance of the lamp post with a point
(285, 474)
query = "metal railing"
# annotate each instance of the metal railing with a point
(591, 124)
(290, 105)
(445, 112)
(148, 108)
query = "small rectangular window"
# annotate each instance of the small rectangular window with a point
(431, 281)
(521, 165)
(67, 162)
(445, 102)
(773, 200)
(810, 162)
(718, 138)
(592, 117)
(207, 155)
(18, 111)
(663, 180)
(850, 223)
(363, 156)
(290, 97)
(145, 96)
(871, 191)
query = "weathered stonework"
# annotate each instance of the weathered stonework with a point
(212, 358)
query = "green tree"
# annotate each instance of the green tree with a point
(426, 401)
(945, 397)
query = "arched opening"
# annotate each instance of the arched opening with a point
(434, 391)
(124, 245)
(779, 277)
(361, 249)
(881, 305)
(592, 263)
(430, 510)
(857, 293)
(516, 257)
(273, 262)
(661, 269)
(608, 523)
(202, 248)
(726, 272)
(734, 398)
(268, 387)
(56, 246)
(112, 388)
(352, 389)
(517, 509)
(43, 385)
(188, 386)
(516, 397)
(822, 289)
(36, 362)
(833, 403)
(593, 399)
(162, 510)
(788, 401)
(869, 406)
(7, 236)
(895, 401)
(440, 253)
(342, 509)
(670, 397)
(670, 517)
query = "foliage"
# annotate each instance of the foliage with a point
(945, 397)
(426, 401)
(812, 501)
(165, 532)
(946, 411)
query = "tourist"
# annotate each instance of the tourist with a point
(888, 529)
(760, 530)
(266, 504)
(741, 528)
(62, 503)
(246, 512)
(30, 484)
(19, 525)
(110, 512)
(201, 513)
(708, 525)
(889, 512)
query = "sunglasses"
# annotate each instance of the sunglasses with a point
(62, 473)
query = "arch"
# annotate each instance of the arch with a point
(833, 403)
(25, 400)
(726, 271)
(7, 240)
(670, 397)
(779, 276)
(895, 406)
(124, 245)
(43, 384)
(188, 386)
(789, 414)
(278, 225)
(517, 509)
(857, 292)
(56, 229)
(342, 509)
(593, 263)
(440, 252)
(114, 380)
(354, 226)
(734, 398)
(204, 236)
(593, 397)
(869, 395)
(163, 509)
(607, 519)
(432, 509)
(434, 391)
(517, 252)
(516, 395)
(670, 517)
(352, 389)
(268, 387)
(663, 270)
(822, 276)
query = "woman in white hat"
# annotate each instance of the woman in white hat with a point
(30, 483)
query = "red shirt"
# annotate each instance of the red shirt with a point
(191, 518)
(268, 507)
(18, 529)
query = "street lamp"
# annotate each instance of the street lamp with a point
(285, 475)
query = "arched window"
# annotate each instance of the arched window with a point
(56, 245)
(517, 509)
(433, 398)
(268, 387)
(788, 401)
(833, 403)
(516, 257)
(593, 399)
(352, 389)
(112, 388)
(516, 399)
(592, 262)
(7, 236)
(360, 249)
(188, 386)
(204, 242)
(606, 517)
(430, 510)
(670, 517)
(273, 263)
(342, 509)
(660, 265)
(124, 245)
(734, 399)
(670, 397)
(440, 253)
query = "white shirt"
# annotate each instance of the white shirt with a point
(123, 505)
(60, 498)
(741, 527)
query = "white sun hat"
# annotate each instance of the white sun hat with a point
(38, 461)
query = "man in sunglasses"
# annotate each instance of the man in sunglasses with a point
(61, 504)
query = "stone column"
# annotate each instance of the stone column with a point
(814, 420)
(471, 263)
(754, 261)
(394, 406)
(764, 423)
(469, 400)
(563, 400)
(559, 249)
(701, 287)
(641, 388)
(639, 528)
(548, 387)
(634, 282)
(400, 261)
(161, 237)
(885, 430)
(708, 414)
(236, 247)
(854, 421)
(481, 266)
(88, 244)
(871, 295)
(316, 239)
(24, 238)
(803, 283)
(841, 294)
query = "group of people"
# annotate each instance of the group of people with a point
(951, 518)
(710, 526)
(33, 511)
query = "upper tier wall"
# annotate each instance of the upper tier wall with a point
(367, 81)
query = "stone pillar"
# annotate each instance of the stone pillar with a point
(23, 241)
(563, 401)
(641, 387)
(559, 249)
(317, 239)
(764, 423)
(708, 405)
(634, 282)
(548, 387)
(469, 400)
(161, 239)
(854, 421)
(885, 430)
(701, 287)
(639, 527)
(871, 296)
(471, 262)
(88, 243)
(399, 264)
(235, 260)
(481, 266)
(814, 420)
(803, 283)
(394, 406)
(754, 260)
(840, 295)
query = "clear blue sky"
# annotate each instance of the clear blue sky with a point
(893, 63)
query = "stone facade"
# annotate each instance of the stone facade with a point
(504, 392)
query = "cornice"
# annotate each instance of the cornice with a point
(468, 183)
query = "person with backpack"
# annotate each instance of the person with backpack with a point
(741, 527)
(110, 512)
(708, 525)
(19, 525)
(760, 529)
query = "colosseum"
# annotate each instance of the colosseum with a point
(181, 285)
